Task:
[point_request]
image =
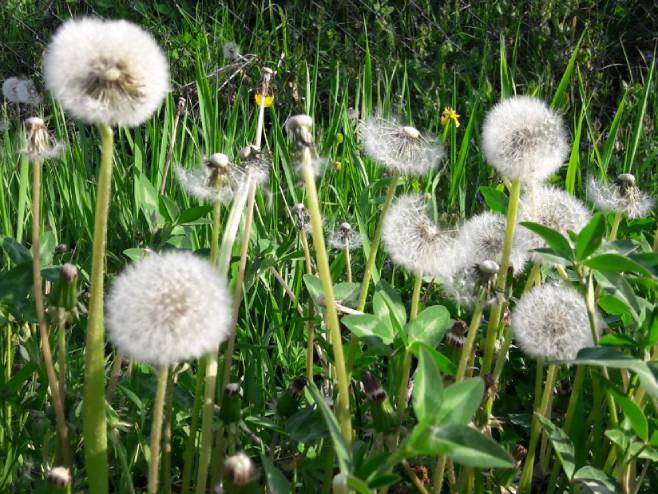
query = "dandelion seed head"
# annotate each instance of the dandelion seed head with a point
(551, 322)
(302, 217)
(471, 284)
(215, 180)
(256, 162)
(399, 148)
(168, 308)
(299, 126)
(522, 138)
(27, 92)
(60, 477)
(40, 143)
(621, 196)
(10, 89)
(240, 469)
(110, 72)
(345, 237)
(413, 240)
(231, 51)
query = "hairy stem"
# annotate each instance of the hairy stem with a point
(156, 429)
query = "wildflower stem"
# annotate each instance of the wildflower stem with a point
(406, 361)
(61, 358)
(188, 462)
(542, 409)
(166, 433)
(343, 403)
(348, 263)
(53, 383)
(501, 280)
(310, 337)
(94, 426)
(115, 374)
(469, 345)
(615, 227)
(156, 429)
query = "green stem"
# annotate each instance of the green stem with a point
(61, 358)
(343, 401)
(188, 462)
(439, 472)
(94, 424)
(166, 435)
(23, 184)
(496, 311)
(156, 429)
(348, 264)
(615, 227)
(469, 345)
(526, 474)
(406, 360)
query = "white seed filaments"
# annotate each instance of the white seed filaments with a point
(17, 90)
(215, 180)
(110, 72)
(399, 148)
(550, 322)
(168, 308)
(345, 237)
(620, 196)
(40, 144)
(522, 138)
(255, 162)
(413, 240)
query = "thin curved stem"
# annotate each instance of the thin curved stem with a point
(406, 360)
(188, 462)
(156, 429)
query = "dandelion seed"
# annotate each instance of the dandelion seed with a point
(621, 196)
(40, 144)
(345, 237)
(301, 216)
(216, 180)
(168, 308)
(256, 162)
(524, 139)
(550, 322)
(110, 72)
(231, 51)
(413, 240)
(239, 470)
(399, 148)
(9, 89)
(554, 208)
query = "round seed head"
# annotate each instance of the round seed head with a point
(345, 237)
(399, 148)
(239, 470)
(215, 180)
(551, 322)
(300, 127)
(524, 139)
(231, 51)
(10, 89)
(621, 196)
(40, 144)
(168, 308)
(60, 477)
(110, 72)
(27, 93)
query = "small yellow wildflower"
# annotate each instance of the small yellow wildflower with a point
(339, 138)
(338, 165)
(269, 100)
(448, 115)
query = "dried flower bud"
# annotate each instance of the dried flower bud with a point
(231, 404)
(288, 402)
(40, 144)
(519, 454)
(457, 335)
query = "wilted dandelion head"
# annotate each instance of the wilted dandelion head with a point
(239, 469)
(524, 139)
(40, 145)
(413, 240)
(110, 72)
(551, 322)
(554, 208)
(215, 180)
(231, 51)
(620, 196)
(168, 308)
(300, 127)
(302, 217)
(256, 162)
(399, 148)
(345, 237)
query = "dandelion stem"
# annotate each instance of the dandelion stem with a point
(343, 403)
(348, 263)
(310, 337)
(156, 429)
(542, 409)
(188, 462)
(93, 418)
(497, 310)
(469, 345)
(615, 227)
(53, 383)
(115, 374)
(61, 358)
(406, 361)
(166, 433)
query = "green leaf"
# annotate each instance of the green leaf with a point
(496, 199)
(444, 364)
(427, 393)
(276, 481)
(562, 87)
(632, 412)
(191, 215)
(460, 402)
(562, 445)
(609, 357)
(340, 446)
(590, 237)
(595, 481)
(616, 264)
(464, 445)
(430, 326)
(554, 239)
(368, 325)
(387, 300)
(17, 252)
(358, 485)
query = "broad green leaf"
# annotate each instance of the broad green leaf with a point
(496, 200)
(430, 326)
(562, 445)
(444, 364)
(595, 481)
(554, 239)
(619, 437)
(632, 412)
(276, 481)
(347, 293)
(17, 252)
(590, 237)
(427, 394)
(340, 446)
(609, 357)
(314, 287)
(616, 264)
(358, 485)
(460, 402)
(464, 445)
(365, 325)
(191, 215)
(387, 299)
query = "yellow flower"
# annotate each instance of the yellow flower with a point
(448, 115)
(269, 100)
(339, 138)
(338, 165)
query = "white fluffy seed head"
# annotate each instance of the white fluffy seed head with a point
(413, 240)
(27, 93)
(554, 208)
(168, 308)
(255, 162)
(239, 469)
(110, 72)
(231, 51)
(524, 139)
(40, 145)
(215, 180)
(399, 148)
(345, 237)
(10, 89)
(621, 196)
(551, 322)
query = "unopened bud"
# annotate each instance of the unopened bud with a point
(288, 402)
(231, 404)
(457, 335)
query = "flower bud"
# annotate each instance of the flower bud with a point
(231, 404)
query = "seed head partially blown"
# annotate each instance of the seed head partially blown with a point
(215, 180)
(110, 72)
(40, 144)
(620, 196)
(345, 237)
(168, 308)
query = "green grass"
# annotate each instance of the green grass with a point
(338, 66)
